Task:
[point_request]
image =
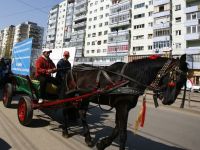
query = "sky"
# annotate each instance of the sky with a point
(14, 12)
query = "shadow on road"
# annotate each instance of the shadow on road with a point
(4, 145)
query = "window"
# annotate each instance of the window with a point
(139, 26)
(105, 41)
(106, 23)
(90, 19)
(89, 27)
(178, 19)
(93, 34)
(150, 47)
(101, 8)
(88, 43)
(177, 7)
(161, 8)
(87, 51)
(107, 14)
(139, 5)
(194, 29)
(94, 26)
(93, 42)
(101, 16)
(107, 6)
(150, 13)
(139, 16)
(98, 51)
(91, 4)
(138, 37)
(105, 32)
(99, 43)
(188, 30)
(150, 36)
(178, 32)
(95, 18)
(89, 35)
(100, 24)
(100, 33)
(92, 51)
(178, 45)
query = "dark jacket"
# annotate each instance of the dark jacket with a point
(63, 67)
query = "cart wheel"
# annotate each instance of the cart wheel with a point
(7, 95)
(25, 111)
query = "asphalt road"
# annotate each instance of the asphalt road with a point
(165, 129)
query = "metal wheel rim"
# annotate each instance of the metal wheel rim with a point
(22, 110)
(5, 96)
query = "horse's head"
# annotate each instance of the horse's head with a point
(173, 80)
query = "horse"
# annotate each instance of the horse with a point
(164, 76)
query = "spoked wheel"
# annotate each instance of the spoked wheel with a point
(25, 111)
(7, 95)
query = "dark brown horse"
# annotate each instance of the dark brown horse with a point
(164, 76)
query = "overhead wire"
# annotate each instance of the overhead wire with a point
(27, 4)
(24, 11)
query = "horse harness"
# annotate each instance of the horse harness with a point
(168, 67)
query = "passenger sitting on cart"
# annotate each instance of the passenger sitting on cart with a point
(44, 69)
(63, 67)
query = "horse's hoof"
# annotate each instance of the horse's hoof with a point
(99, 146)
(89, 142)
(65, 135)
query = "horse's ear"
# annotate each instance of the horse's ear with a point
(183, 58)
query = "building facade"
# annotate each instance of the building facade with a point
(114, 28)
(29, 30)
(7, 41)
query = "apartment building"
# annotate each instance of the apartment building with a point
(29, 30)
(97, 28)
(61, 24)
(1, 40)
(79, 26)
(7, 41)
(68, 23)
(142, 27)
(120, 24)
(52, 27)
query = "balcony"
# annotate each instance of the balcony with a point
(118, 37)
(83, 9)
(80, 3)
(81, 17)
(161, 14)
(161, 25)
(67, 35)
(161, 38)
(193, 36)
(160, 2)
(78, 25)
(192, 9)
(192, 22)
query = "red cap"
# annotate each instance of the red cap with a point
(66, 53)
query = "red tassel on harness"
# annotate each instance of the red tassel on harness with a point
(153, 57)
(143, 113)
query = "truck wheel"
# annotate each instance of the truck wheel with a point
(7, 95)
(25, 111)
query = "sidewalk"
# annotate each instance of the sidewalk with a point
(192, 106)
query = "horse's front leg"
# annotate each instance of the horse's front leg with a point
(105, 142)
(123, 118)
(65, 132)
(86, 132)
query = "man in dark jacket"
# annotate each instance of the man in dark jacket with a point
(63, 67)
(44, 68)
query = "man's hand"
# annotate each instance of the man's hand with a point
(49, 71)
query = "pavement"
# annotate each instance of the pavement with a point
(192, 102)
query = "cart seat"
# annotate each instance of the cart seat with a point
(51, 88)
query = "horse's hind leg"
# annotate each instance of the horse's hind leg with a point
(86, 132)
(65, 132)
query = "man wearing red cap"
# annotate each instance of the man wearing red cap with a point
(44, 68)
(63, 67)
